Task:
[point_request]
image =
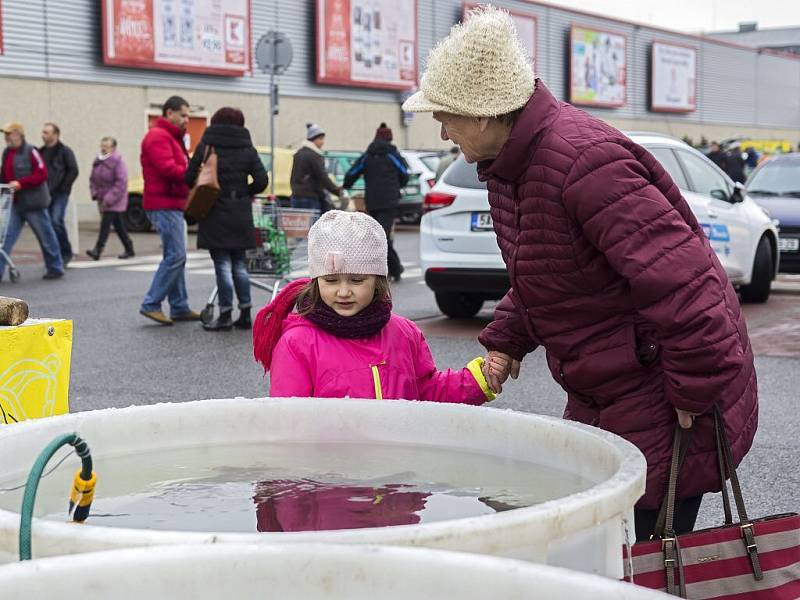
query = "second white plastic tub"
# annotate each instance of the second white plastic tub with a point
(301, 572)
(584, 531)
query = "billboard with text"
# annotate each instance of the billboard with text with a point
(673, 78)
(367, 43)
(196, 36)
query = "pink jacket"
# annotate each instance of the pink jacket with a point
(394, 364)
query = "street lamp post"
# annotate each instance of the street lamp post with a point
(273, 55)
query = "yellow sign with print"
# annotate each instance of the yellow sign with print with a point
(34, 370)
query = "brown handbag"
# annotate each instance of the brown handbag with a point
(206, 189)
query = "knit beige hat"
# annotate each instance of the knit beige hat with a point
(479, 70)
(347, 242)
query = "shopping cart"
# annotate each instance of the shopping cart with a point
(281, 252)
(6, 202)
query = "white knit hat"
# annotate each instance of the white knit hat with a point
(313, 131)
(347, 242)
(479, 70)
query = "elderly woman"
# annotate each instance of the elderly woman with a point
(610, 271)
(109, 186)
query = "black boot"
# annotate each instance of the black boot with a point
(95, 252)
(243, 322)
(129, 253)
(221, 323)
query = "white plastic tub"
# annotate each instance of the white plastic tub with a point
(582, 531)
(301, 572)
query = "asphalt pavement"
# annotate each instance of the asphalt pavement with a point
(119, 358)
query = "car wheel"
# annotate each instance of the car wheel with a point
(135, 218)
(457, 305)
(759, 288)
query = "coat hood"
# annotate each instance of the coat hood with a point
(380, 146)
(227, 136)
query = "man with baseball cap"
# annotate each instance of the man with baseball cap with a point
(23, 169)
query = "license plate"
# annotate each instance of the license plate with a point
(482, 221)
(788, 244)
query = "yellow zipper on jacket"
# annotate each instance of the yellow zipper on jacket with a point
(376, 378)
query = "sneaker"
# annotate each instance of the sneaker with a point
(187, 316)
(53, 275)
(157, 316)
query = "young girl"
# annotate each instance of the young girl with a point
(343, 340)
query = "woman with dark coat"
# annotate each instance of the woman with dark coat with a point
(228, 232)
(610, 271)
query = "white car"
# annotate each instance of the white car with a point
(424, 164)
(461, 260)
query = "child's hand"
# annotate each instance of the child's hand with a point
(497, 367)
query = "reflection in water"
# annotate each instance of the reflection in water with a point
(306, 505)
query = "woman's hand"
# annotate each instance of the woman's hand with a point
(685, 418)
(497, 367)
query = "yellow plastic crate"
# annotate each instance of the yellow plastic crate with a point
(35, 365)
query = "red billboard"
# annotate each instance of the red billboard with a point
(195, 36)
(367, 43)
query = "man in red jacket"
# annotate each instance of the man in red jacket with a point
(164, 162)
(610, 271)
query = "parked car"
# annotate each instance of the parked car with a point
(775, 185)
(422, 164)
(136, 218)
(461, 260)
(339, 161)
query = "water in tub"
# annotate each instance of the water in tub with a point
(299, 487)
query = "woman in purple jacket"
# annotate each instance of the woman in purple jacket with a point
(109, 187)
(610, 271)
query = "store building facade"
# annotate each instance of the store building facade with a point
(55, 66)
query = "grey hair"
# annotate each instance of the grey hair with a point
(108, 138)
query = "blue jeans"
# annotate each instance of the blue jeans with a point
(305, 202)
(230, 267)
(58, 208)
(169, 281)
(39, 220)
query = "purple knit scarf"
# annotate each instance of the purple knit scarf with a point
(363, 325)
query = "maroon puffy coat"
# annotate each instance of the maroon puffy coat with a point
(612, 274)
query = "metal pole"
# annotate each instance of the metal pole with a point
(272, 126)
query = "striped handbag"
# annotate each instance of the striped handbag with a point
(754, 559)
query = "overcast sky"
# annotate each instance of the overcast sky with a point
(695, 15)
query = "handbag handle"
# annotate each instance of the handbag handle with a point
(665, 523)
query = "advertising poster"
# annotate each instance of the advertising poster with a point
(673, 78)
(367, 43)
(199, 36)
(598, 69)
(525, 26)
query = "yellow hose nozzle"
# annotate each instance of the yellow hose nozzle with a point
(81, 496)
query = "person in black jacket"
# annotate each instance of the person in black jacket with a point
(228, 231)
(385, 174)
(734, 164)
(310, 180)
(62, 171)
